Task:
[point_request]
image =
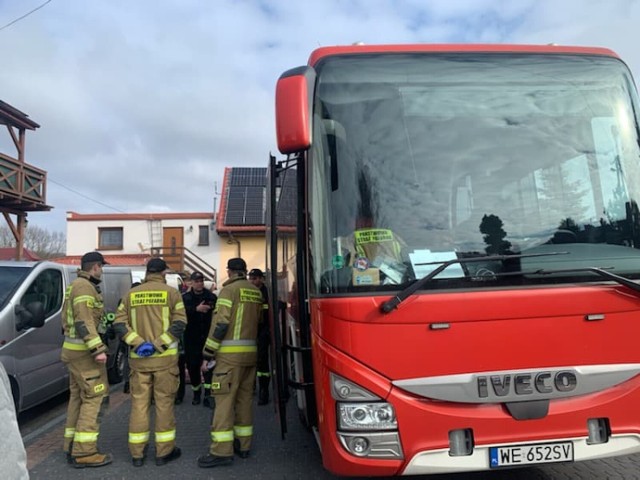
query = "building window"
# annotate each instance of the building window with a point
(203, 235)
(110, 238)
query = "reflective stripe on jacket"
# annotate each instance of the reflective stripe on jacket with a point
(82, 312)
(239, 307)
(146, 315)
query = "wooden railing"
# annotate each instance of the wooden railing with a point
(22, 183)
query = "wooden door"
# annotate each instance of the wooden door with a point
(173, 247)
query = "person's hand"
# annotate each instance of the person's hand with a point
(101, 358)
(207, 365)
(145, 349)
(203, 307)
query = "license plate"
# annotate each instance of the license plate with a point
(530, 454)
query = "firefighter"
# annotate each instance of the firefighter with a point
(85, 356)
(150, 320)
(232, 341)
(263, 371)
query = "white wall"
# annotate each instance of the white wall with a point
(82, 237)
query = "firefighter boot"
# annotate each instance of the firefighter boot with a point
(175, 453)
(196, 397)
(209, 461)
(209, 402)
(94, 460)
(67, 454)
(263, 390)
(241, 453)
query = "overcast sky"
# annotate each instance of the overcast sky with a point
(142, 104)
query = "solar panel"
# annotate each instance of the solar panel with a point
(254, 206)
(248, 177)
(246, 197)
(235, 206)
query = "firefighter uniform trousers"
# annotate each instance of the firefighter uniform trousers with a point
(163, 385)
(232, 388)
(88, 392)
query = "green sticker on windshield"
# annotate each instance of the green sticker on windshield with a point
(338, 261)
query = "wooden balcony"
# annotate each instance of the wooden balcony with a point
(22, 186)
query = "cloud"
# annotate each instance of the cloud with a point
(143, 104)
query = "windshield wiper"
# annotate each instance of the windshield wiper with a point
(393, 303)
(598, 271)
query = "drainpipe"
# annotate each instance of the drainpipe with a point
(231, 240)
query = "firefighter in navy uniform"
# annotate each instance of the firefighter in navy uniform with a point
(85, 355)
(232, 341)
(150, 320)
(263, 372)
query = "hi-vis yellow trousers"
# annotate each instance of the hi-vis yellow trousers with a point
(88, 389)
(163, 385)
(232, 388)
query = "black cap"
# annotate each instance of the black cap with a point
(197, 276)
(93, 257)
(156, 265)
(237, 264)
(256, 272)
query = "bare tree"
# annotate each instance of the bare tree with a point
(6, 237)
(42, 242)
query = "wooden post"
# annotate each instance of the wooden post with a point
(22, 225)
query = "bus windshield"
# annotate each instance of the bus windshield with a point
(419, 159)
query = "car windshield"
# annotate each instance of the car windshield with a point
(419, 159)
(10, 278)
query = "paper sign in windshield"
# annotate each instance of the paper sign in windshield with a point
(434, 259)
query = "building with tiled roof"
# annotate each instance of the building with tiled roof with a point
(241, 217)
(132, 260)
(9, 253)
(184, 240)
(243, 213)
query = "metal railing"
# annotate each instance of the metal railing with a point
(184, 260)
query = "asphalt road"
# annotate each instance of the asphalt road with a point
(297, 457)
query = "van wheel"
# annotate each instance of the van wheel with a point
(115, 374)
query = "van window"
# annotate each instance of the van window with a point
(10, 278)
(114, 286)
(46, 288)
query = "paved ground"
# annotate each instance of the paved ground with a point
(270, 456)
(296, 458)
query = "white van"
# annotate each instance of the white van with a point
(173, 279)
(31, 298)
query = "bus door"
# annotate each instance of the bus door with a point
(291, 350)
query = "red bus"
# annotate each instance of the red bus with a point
(454, 256)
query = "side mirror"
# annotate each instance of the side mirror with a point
(31, 316)
(294, 104)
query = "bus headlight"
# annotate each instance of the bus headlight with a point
(366, 416)
(345, 390)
